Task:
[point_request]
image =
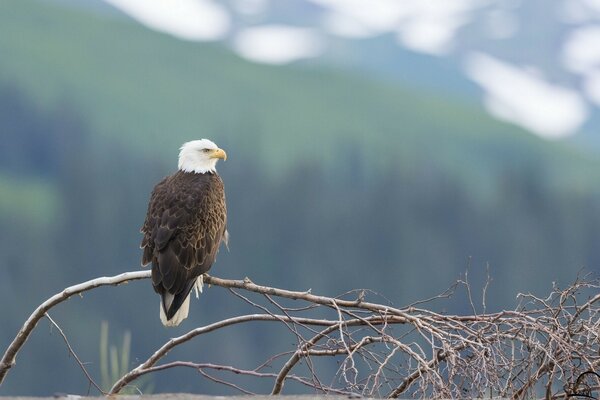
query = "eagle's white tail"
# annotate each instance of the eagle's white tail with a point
(183, 311)
(179, 316)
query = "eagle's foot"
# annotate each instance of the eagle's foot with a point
(361, 297)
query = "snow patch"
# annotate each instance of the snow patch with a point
(591, 86)
(427, 26)
(431, 35)
(593, 4)
(501, 24)
(581, 51)
(198, 20)
(523, 97)
(378, 16)
(277, 44)
(346, 26)
(250, 7)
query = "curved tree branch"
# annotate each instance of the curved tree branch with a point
(297, 356)
(250, 286)
(146, 366)
(9, 357)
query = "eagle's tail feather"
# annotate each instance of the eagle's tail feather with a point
(178, 316)
(175, 308)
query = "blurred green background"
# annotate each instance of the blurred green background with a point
(336, 179)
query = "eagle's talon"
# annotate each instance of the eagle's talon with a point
(361, 297)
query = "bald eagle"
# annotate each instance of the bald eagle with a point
(185, 224)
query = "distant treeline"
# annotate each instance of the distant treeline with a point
(404, 234)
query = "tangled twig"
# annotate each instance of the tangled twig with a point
(545, 347)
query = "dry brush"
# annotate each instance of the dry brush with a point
(545, 347)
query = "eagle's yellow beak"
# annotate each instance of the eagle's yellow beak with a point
(219, 153)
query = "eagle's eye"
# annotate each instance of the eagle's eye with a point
(205, 150)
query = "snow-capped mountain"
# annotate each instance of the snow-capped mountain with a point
(534, 63)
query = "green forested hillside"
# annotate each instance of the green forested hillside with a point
(334, 182)
(153, 92)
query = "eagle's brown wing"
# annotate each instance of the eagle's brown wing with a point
(184, 226)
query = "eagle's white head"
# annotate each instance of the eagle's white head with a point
(200, 156)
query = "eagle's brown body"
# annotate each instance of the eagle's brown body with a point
(185, 224)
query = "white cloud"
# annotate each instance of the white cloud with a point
(581, 51)
(185, 19)
(521, 96)
(277, 44)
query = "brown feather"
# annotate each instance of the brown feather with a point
(184, 226)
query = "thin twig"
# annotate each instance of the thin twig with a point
(72, 352)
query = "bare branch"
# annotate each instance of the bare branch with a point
(9, 357)
(237, 371)
(143, 368)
